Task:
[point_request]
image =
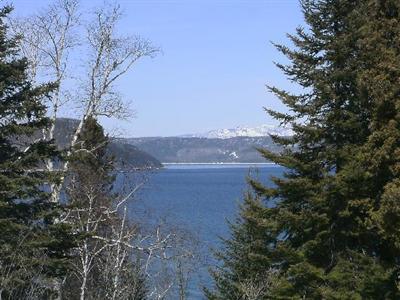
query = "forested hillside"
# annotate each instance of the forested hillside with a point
(126, 156)
(205, 150)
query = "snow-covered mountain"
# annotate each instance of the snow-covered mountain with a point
(259, 131)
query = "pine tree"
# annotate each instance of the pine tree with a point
(329, 227)
(33, 248)
(91, 165)
(245, 269)
(91, 201)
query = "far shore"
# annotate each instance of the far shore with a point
(217, 163)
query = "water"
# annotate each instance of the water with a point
(200, 199)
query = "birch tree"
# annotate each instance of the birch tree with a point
(110, 57)
(49, 39)
(103, 266)
(170, 256)
(32, 245)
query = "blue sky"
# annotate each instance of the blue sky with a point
(216, 59)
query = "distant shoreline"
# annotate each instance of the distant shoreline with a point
(221, 163)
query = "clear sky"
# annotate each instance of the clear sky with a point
(216, 59)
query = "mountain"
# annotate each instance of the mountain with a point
(127, 156)
(204, 150)
(237, 145)
(242, 131)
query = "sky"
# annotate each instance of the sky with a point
(216, 59)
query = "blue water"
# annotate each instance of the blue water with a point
(199, 198)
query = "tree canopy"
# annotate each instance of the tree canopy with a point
(33, 246)
(328, 228)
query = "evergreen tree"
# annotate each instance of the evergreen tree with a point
(91, 201)
(328, 229)
(33, 247)
(91, 165)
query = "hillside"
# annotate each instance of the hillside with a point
(147, 152)
(204, 150)
(127, 156)
(244, 131)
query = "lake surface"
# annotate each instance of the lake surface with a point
(200, 199)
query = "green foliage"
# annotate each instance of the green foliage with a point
(90, 164)
(329, 226)
(33, 248)
(92, 212)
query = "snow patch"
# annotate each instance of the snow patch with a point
(243, 131)
(233, 154)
